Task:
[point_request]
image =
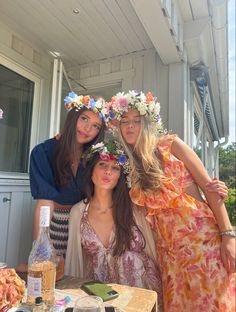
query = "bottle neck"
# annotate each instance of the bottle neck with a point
(43, 232)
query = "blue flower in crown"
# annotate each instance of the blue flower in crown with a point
(98, 106)
(92, 103)
(122, 159)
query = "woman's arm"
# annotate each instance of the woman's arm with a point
(192, 162)
(39, 203)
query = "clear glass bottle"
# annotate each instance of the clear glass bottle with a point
(42, 263)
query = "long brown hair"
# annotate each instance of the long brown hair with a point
(66, 146)
(122, 209)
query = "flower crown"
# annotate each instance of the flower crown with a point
(97, 106)
(145, 104)
(112, 150)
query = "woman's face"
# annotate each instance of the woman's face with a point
(87, 127)
(106, 174)
(130, 126)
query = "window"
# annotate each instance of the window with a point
(16, 101)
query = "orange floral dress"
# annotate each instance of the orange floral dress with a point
(188, 243)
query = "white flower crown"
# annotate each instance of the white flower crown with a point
(145, 104)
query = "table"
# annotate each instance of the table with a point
(131, 299)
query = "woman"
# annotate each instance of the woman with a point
(194, 239)
(105, 243)
(55, 165)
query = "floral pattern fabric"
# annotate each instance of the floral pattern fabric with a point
(133, 267)
(188, 243)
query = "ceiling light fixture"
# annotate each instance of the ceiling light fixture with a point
(76, 10)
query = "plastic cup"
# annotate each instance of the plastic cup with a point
(89, 304)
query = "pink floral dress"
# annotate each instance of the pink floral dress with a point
(133, 267)
(188, 243)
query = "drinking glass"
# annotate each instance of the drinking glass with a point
(89, 304)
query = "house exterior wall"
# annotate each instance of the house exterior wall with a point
(140, 71)
(137, 71)
(16, 204)
(30, 59)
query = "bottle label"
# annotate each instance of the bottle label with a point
(44, 216)
(34, 286)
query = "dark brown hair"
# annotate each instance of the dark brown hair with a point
(66, 146)
(122, 208)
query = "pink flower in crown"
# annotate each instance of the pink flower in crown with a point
(123, 103)
(105, 157)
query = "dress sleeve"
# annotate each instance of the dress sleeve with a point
(42, 182)
(75, 261)
(164, 143)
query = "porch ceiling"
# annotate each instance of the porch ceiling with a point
(102, 28)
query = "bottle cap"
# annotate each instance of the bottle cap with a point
(38, 300)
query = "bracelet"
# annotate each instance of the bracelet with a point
(231, 233)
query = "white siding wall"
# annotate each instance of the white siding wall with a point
(138, 71)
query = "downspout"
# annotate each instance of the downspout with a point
(218, 10)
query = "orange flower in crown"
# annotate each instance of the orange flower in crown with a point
(150, 97)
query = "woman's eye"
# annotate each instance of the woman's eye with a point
(137, 121)
(84, 118)
(124, 121)
(97, 127)
(116, 168)
(101, 164)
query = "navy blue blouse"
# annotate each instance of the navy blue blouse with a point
(42, 182)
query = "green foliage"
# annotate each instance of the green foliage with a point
(230, 205)
(227, 163)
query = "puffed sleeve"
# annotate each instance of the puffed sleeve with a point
(42, 182)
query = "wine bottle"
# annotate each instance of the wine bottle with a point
(42, 263)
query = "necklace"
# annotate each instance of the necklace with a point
(104, 211)
(100, 209)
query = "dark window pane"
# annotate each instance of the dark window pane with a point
(16, 101)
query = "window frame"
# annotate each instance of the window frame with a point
(19, 69)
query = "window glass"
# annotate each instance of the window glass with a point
(16, 101)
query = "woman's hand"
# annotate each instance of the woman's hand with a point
(217, 186)
(57, 136)
(228, 252)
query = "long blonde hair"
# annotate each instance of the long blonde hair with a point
(146, 168)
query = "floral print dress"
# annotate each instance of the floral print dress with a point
(188, 243)
(133, 267)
